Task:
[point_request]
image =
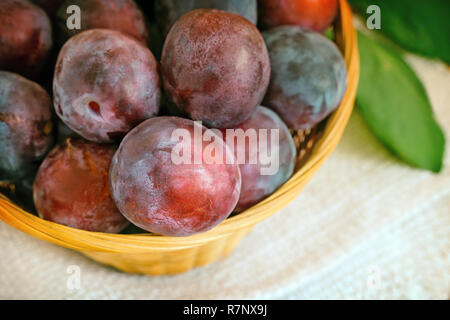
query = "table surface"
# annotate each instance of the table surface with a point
(366, 226)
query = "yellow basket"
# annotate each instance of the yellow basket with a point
(158, 255)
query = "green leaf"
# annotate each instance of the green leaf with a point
(420, 26)
(394, 104)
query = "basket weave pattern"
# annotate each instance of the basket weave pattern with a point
(157, 255)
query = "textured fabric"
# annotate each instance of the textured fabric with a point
(366, 226)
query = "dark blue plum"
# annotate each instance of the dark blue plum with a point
(25, 125)
(308, 78)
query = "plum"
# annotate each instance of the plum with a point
(309, 76)
(311, 14)
(119, 15)
(257, 184)
(215, 67)
(25, 125)
(105, 83)
(72, 189)
(25, 37)
(168, 11)
(164, 196)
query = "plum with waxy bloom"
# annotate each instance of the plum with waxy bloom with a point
(279, 154)
(309, 76)
(25, 37)
(105, 84)
(215, 67)
(169, 198)
(25, 125)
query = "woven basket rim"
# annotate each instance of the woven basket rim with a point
(93, 241)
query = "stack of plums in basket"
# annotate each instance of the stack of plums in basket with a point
(171, 146)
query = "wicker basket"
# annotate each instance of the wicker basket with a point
(158, 255)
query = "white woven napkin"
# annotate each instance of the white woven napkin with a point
(366, 226)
